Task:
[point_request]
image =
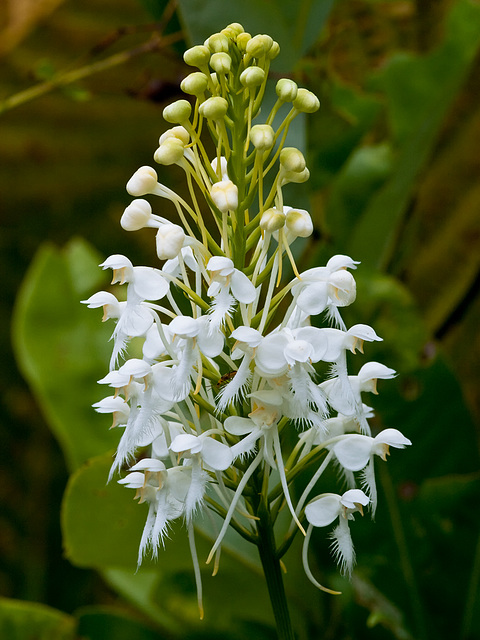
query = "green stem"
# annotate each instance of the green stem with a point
(273, 572)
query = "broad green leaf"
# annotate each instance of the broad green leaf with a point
(20, 620)
(62, 348)
(295, 25)
(419, 93)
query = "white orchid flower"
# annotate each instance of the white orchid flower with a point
(356, 452)
(323, 511)
(227, 285)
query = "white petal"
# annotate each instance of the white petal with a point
(364, 332)
(242, 288)
(216, 454)
(238, 426)
(393, 438)
(354, 451)
(316, 337)
(149, 283)
(313, 298)
(323, 510)
(246, 334)
(221, 264)
(341, 262)
(352, 497)
(184, 326)
(186, 442)
(270, 357)
(372, 370)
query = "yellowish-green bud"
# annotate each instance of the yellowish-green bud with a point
(137, 215)
(286, 90)
(221, 62)
(214, 108)
(197, 56)
(306, 101)
(273, 51)
(143, 181)
(242, 41)
(176, 132)
(294, 176)
(235, 28)
(259, 46)
(195, 84)
(252, 77)
(177, 112)
(170, 151)
(272, 220)
(217, 43)
(262, 136)
(299, 222)
(292, 159)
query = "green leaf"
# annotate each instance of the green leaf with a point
(62, 348)
(21, 620)
(295, 25)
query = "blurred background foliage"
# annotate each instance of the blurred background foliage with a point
(393, 155)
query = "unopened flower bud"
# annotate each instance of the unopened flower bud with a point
(274, 50)
(170, 151)
(194, 84)
(252, 77)
(306, 101)
(177, 112)
(221, 62)
(262, 136)
(169, 240)
(225, 195)
(197, 56)
(242, 40)
(143, 181)
(292, 159)
(217, 43)
(214, 108)
(286, 89)
(136, 215)
(294, 176)
(235, 28)
(259, 45)
(272, 220)
(299, 222)
(180, 133)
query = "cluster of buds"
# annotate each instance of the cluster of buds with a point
(229, 362)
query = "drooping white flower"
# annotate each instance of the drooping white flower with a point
(356, 452)
(323, 511)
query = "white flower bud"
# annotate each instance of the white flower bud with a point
(242, 40)
(234, 28)
(169, 240)
(262, 136)
(170, 151)
(259, 45)
(194, 84)
(221, 62)
(299, 222)
(214, 108)
(286, 89)
(137, 215)
(217, 43)
(306, 101)
(177, 112)
(252, 77)
(180, 133)
(197, 56)
(292, 159)
(225, 195)
(272, 220)
(143, 181)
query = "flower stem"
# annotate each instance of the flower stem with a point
(273, 572)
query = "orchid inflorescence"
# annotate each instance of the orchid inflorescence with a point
(228, 363)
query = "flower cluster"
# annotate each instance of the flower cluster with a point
(229, 360)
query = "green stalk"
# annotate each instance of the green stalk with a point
(273, 572)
